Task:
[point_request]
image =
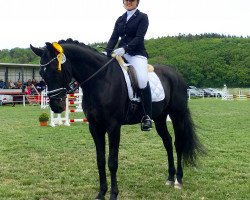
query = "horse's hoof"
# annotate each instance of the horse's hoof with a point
(177, 185)
(170, 183)
(100, 198)
(113, 196)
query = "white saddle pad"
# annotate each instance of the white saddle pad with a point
(157, 90)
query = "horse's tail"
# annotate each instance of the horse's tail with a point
(187, 142)
(191, 146)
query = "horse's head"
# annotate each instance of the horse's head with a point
(56, 72)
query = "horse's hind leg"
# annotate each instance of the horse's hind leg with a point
(184, 141)
(178, 128)
(162, 130)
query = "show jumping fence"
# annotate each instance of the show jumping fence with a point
(73, 105)
(239, 96)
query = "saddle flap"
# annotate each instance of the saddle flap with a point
(133, 79)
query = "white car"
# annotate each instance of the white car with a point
(216, 92)
(194, 91)
(6, 99)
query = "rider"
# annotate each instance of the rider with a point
(132, 27)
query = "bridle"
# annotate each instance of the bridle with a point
(52, 94)
(44, 65)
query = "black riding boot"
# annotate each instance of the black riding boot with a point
(146, 99)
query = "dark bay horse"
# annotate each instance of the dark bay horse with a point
(106, 105)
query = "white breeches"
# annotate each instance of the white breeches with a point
(140, 64)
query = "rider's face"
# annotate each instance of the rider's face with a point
(130, 4)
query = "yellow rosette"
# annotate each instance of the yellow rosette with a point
(59, 48)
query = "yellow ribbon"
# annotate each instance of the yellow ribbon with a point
(59, 48)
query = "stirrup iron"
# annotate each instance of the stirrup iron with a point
(146, 123)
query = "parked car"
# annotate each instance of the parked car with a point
(208, 92)
(216, 92)
(6, 99)
(194, 91)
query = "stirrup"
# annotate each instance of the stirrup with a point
(146, 123)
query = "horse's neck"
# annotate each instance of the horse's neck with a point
(85, 63)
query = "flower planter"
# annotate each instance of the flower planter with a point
(43, 119)
(44, 123)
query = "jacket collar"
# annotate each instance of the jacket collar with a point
(132, 17)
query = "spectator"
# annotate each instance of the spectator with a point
(29, 82)
(33, 90)
(2, 84)
(18, 84)
(11, 85)
(34, 82)
(28, 90)
(40, 86)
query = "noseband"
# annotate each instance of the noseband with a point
(52, 94)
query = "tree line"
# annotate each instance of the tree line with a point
(206, 60)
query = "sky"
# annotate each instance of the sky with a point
(25, 22)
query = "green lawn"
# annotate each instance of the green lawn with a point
(45, 163)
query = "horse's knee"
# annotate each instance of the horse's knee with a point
(101, 161)
(113, 165)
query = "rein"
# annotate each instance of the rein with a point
(93, 75)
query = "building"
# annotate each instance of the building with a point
(24, 72)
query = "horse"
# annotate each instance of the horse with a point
(107, 107)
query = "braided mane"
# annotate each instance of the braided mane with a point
(76, 42)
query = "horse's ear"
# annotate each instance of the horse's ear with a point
(37, 51)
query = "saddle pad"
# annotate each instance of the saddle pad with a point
(157, 90)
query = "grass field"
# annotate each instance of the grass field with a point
(45, 163)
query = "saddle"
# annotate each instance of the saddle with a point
(134, 111)
(132, 74)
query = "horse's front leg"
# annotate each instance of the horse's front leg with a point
(98, 134)
(114, 142)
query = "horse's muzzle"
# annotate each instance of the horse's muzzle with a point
(57, 105)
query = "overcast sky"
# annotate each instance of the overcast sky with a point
(39, 21)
